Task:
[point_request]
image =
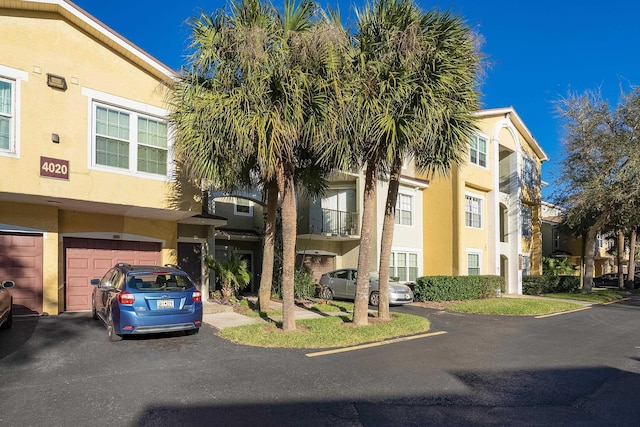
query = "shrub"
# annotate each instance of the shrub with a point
(548, 284)
(304, 287)
(456, 288)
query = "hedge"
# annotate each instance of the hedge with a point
(549, 284)
(456, 288)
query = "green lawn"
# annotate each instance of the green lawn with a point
(596, 297)
(326, 332)
(513, 306)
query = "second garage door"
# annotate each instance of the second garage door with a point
(86, 259)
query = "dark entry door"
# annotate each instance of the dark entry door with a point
(190, 260)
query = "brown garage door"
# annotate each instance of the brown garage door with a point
(317, 264)
(21, 261)
(86, 259)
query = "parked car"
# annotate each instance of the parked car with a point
(6, 304)
(145, 299)
(611, 280)
(341, 284)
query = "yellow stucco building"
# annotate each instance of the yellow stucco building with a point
(484, 218)
(85, 154)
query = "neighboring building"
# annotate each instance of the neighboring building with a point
(485, 217)
(85, 157)
(557, 241)
(329, 226)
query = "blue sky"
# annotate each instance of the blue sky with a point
(538, 51)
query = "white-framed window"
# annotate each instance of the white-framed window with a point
(404, 209)
(242, 207)
(530, 176)
(130, 141)
(473, 211)
(478, 151)
(7, 114)
(404, 266)
(474, 261)
(526, 220)
(128, 136)
(600, 240)
(10, 83)
(526, 264)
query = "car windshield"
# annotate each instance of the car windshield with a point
(158, 281)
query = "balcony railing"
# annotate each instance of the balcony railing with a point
(339, 223)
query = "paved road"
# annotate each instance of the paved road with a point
(576, 369)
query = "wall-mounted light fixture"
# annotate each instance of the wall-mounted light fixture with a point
(55, 138)
(57, 82)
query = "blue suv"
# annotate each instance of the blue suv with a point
(145, 299)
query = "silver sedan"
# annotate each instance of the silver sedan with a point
(341, 284)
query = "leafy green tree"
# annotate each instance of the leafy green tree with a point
(600, 171)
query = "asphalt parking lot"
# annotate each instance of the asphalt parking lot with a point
(581, 369)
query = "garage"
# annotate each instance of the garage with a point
(86, 259)
(21, 261)
(317, 264)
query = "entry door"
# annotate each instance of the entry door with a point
(248, 256)
(190, 259)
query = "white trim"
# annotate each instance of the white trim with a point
(17, 77)
(412, 195)
(482, 199)
(236, 212)
(115, 236)
(18, 229)
(473, 251)
(133, 108)
(487, 153)
(130, 104)
(415, 251)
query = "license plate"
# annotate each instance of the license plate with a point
(165, 303)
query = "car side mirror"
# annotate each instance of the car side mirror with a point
(8, 284)
(95, 282)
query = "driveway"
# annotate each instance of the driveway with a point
(581, 369)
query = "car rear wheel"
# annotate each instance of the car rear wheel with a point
(7, 324)
(374, 298)
(326, 293)
(111, 331)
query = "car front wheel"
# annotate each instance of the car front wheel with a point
(326, 293)
(111, 331)
(374, 298)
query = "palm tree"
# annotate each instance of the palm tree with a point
(232, 273)
(416, 93)
(254, 101)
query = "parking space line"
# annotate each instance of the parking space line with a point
(561, 313)
(374, 344)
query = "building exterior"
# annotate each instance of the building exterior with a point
(557, 241)
(86, 159)
(485, 217)
(329, 226)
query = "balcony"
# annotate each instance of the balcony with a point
(339, 223)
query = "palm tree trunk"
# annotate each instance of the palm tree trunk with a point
(620, 258)
(387, 238)
(361, 303)
(286, 185)
(631, 277)
(264, 294)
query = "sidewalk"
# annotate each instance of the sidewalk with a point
(222, 316)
